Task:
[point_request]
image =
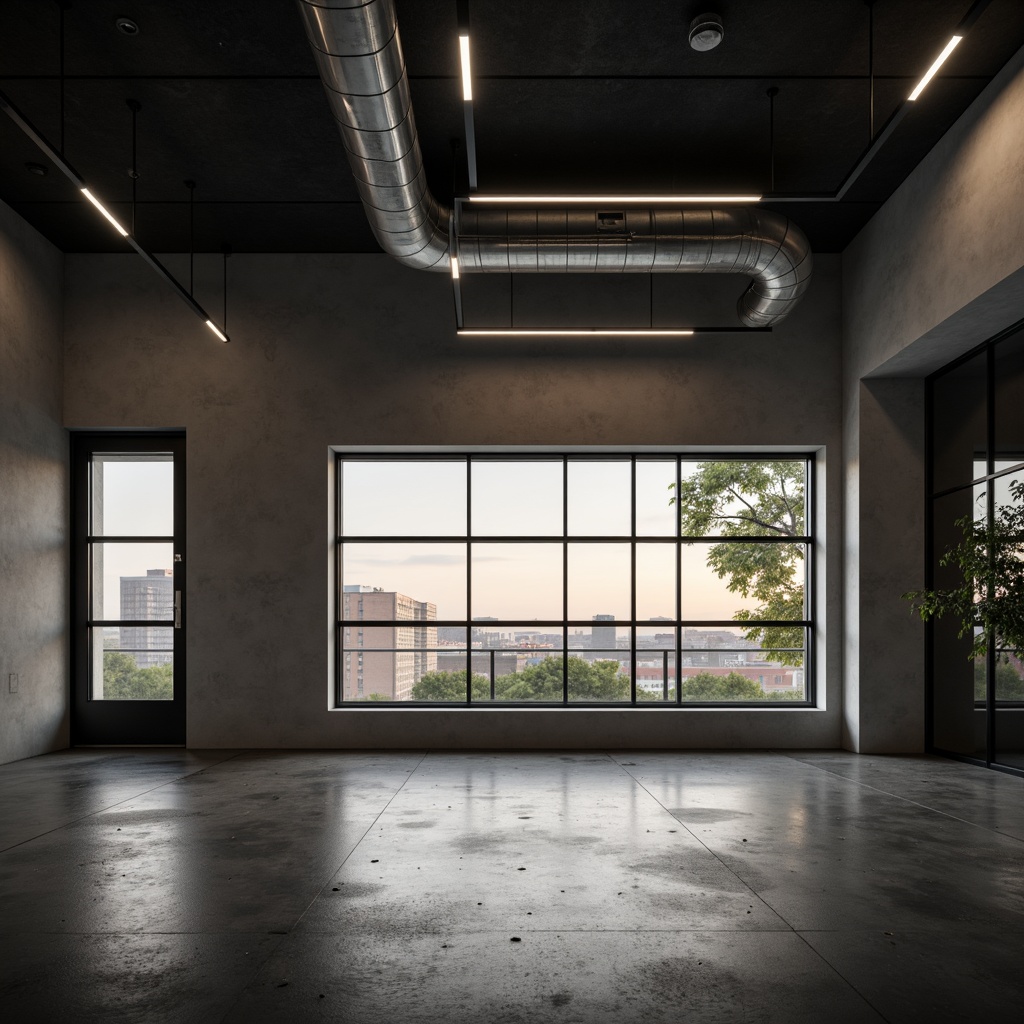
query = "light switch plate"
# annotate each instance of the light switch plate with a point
(12, 682)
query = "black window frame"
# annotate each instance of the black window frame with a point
(991, 475)
(807, 540)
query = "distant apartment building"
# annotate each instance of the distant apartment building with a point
(149, 598)
(391, 659)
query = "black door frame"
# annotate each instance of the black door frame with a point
(122, 722)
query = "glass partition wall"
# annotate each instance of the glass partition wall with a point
(976, 441)
(648, 580)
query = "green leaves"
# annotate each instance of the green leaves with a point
(753, 499)
(124, 680)
(990, 594)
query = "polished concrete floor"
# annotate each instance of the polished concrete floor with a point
(167, 886)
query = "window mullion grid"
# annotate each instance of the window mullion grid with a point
(469, 587)
(632, 581)
(679, 583)
(565, 581)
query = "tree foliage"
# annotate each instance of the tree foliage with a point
(706, 686)
(753, 499)
(124, 680)
(988, 599)
(588, 681)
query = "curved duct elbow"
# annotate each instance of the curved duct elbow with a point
(358, 53)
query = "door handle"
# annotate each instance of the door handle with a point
(177, 609)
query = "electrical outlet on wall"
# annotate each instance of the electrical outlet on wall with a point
(12, 682)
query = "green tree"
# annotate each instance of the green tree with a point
(1009, 684)
(987, 601)
(753, 499)
(705, 686)
(589, 681)
(124, 680)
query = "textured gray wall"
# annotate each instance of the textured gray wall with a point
(936, 271)
(354, 350)
(938, 268)
(33, 496)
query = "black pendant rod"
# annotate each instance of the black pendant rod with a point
(61, 8)
(191, 186)
(227, 253)
(134, 106)
(871, 68)
(772, 93)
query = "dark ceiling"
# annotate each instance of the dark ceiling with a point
(570, 96)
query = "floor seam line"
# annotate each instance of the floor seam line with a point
(906, 799)
(110, 807)
(355, 845)
(846, 981)
(704, 846)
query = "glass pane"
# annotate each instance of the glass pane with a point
(1008, 399)
(517, 663)
(132, 663)
(599, 499)
(132, 581)
(958, 681)
(762, 498)
(600, 676)
(655, 665)
(404, 581)
(741, 676)
(655, 581)
(700, 638)
(402, 675)
(656, 513)
(599, 638)
(599, 585)
(1001, 487)
(958, 424)
(355, 635)
(1009, 711)
(517, 581)
(132, 495)
(742, 581)
(403, 499)
(517, 499)
(532, 638)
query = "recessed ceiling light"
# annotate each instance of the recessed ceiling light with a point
(127, 27)
(37, 169)
(706, 31)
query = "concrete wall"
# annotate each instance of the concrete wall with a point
(33, 496)
(355, 351)
(939, 269)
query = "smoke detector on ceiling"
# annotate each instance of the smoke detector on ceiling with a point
(706, 31)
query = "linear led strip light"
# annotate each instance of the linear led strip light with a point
(75, 178)
(930, 73)
(653, 332)
(579, 200)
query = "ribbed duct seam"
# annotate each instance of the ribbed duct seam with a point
(358, 53)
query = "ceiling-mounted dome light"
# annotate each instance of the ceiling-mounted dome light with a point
(706, 31)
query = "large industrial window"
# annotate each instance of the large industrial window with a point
(649, 580)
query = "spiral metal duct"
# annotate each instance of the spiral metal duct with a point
(359, 56)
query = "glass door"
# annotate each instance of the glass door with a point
(129, 585)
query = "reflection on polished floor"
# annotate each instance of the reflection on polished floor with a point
(165, 885)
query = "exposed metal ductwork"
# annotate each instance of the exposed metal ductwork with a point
(359, 56)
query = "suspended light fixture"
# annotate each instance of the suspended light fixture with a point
(574, 200)
(76, 179)
(103, 210)
(930, 73)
